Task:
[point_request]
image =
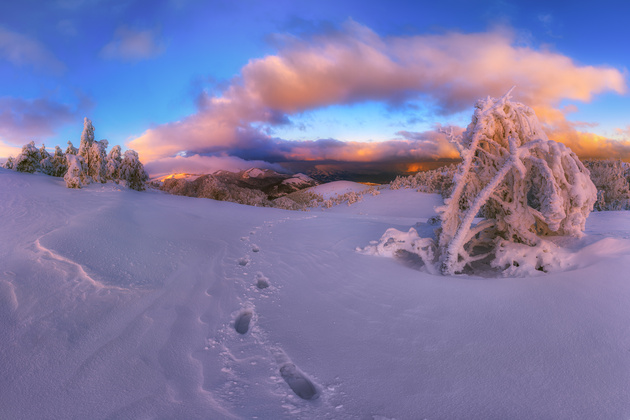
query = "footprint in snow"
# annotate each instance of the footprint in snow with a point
(255, 249)
(298, 382)
(262, 282)
(243, 261)
(241, 324)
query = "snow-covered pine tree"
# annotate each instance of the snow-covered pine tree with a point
(87, 139)
(114, 160)
(97, 166)
(59, 162)
(9, 163)
(45, 163)
(132, 171)
(29, 159)
(55, 164)
(71, 150)
(76, 176)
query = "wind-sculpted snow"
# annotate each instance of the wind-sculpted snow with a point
(335, 335)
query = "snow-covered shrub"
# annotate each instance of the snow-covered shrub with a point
(76, 176)
(9, 164)
(525, 186)
(132, 171)
(611, 180)
(29, 159)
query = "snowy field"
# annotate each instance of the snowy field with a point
(117, 304)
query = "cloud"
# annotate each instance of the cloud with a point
(585, 144)
(198, 164)
(22, 51)
(23, 120)
(449, 71)
(133, 45)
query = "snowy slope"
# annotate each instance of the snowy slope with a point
(120, 304)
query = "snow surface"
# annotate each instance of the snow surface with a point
(298, 178)
(254, 173)
(122, 304)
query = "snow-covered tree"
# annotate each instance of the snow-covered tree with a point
(611, 180)
(29, 159)
(9, 164)
(76, 176)
(114, 160)
(97, 166)
(132, 171)
(87, 139)
(89, 163)
(71, 150)
(525, 186)
(59, 162)
(55, 164)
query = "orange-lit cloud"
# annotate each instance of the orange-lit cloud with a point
(585, 144)
(449, 71)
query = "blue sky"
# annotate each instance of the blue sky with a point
(168, 73)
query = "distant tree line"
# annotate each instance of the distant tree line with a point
(611, 178)
(89, 163)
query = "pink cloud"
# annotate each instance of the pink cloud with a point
(451, 71)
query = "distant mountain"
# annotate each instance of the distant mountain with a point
(254, 186)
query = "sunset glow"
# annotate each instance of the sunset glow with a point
(192, 86)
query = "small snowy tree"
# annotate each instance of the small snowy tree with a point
(114, 160)
(76, 176)
(29, 159)
(132, 171)
(53, 165)
(9, 164)
(87, 139)
(525, 186)
(71, 150)
(60, 167)
(97, 167)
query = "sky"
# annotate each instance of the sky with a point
(193, 85)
